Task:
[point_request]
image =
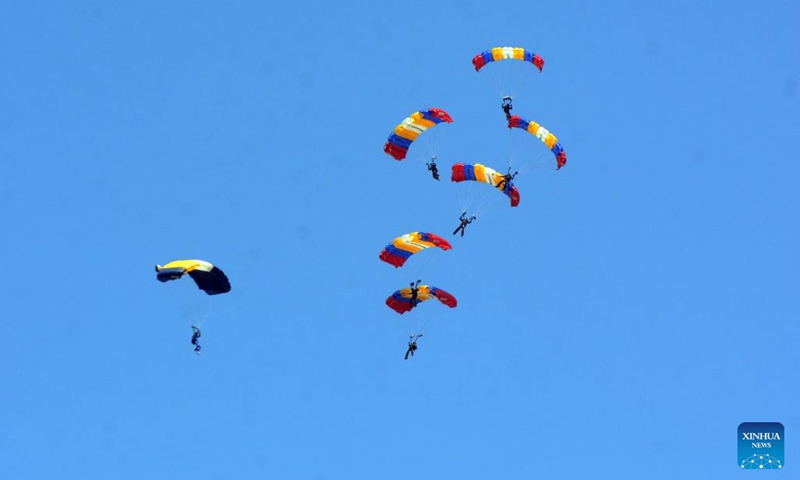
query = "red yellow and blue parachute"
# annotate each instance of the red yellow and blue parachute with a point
(409, 129)
(480, 173)
(507, 53)
(404, 246)
(400, 301)
(542, 134)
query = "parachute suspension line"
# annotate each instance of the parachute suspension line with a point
(474, 200)
(526, 153)
(489, 201)
(501, 76)
(472, 196)
(524, 168)
(515, 145)
(420, 264)
(402, 323)
(511, 149)
(490, 82)
(464, 197)
(436, 145)
(414, 322)
(422, 322)
(427, 146)
(196, 312)
(541, 161)
(410, 323)
(506, 80)
(485, 198)
(198, 317)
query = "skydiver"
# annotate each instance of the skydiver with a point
(414, 293)
(433, 168)
(195, 336)
(464, 222)
(502, 184)
(412, 345)
(507, 106)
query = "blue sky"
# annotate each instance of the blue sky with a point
(620, 323)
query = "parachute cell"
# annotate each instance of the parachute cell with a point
(402, 247)
(480, 173)
(542, 134)
(409, 129)
(507, 53)
(208, 278)
(400, 301)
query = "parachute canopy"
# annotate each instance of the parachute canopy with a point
(400, 301)
(406, 132)
(542, 134)
(507, 53)
(208, 278)
(481, 173)
(402, 247)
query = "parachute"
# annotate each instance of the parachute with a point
(402, 247)
(542, 134)
(400, 301)
(409, 129)
(481, 173)
(208, 278)
(507, 53)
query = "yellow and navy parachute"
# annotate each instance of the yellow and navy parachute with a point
(208, 278)
(542, 134)
(400, 301)
(481, 173)
(409, 129)
(402, 247)
(507, 53)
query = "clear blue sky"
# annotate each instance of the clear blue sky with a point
(619, 324)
